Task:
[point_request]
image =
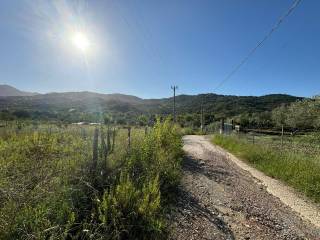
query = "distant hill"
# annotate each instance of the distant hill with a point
(89, 102)
(6, 90)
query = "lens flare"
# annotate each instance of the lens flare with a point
(81, 41)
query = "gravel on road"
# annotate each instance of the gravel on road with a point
(218, 199)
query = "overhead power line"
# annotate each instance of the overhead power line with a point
(253, 50)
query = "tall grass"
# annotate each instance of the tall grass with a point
(48, 189)
(299, 170)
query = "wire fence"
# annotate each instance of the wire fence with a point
(295, 143)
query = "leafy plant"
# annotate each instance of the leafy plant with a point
(49, 191)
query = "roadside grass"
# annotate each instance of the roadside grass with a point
(49, 191)
(299, 170)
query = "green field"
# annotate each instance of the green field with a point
(52, 188)
(308, 144)
(297, 163)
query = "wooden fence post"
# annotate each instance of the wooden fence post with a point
(129, 138)
(108, 138)
(95, 150)
(113, 139)
(104, 154)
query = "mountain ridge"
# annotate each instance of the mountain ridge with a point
(2, 86)
(9, 91)
(83, 103)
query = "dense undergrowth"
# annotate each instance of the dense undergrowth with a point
(49, 190)
(299, 170)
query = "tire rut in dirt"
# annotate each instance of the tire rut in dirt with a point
(219, 200)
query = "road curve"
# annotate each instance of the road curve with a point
(220, 198)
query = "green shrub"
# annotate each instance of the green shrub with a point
(49, 191)
(159, 154)
(129, 212)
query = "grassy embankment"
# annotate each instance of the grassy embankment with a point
(51, 189)
(296, 168)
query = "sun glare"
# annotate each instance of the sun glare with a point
(81, 41)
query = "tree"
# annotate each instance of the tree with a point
(301, 115)
(6, 115)
(279, 116)
(22, 114)
(107, 119)
(142, 120)
(208, 118)
(304, 114)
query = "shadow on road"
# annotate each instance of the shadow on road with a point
(190, 207)
(218, 174)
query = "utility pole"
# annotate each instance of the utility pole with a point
(174, 88)
(222, 126)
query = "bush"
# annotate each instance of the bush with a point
(129, 212)
(133, 207)
(49, 191)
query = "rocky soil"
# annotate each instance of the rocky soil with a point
(219, 200)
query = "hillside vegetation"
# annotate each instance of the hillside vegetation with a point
(303, 114)
(89, 106)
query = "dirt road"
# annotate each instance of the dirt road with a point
(218, 199)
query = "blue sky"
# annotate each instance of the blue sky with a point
(142, 47)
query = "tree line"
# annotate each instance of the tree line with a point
(303, 114)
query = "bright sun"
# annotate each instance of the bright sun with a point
(81, 41)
